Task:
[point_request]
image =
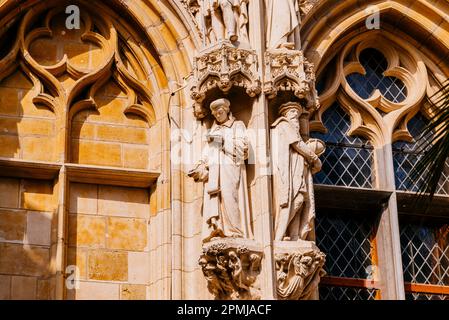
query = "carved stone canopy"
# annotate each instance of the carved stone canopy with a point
(231, 268)
(223, 67)
(288, 71)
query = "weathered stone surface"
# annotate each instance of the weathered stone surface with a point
(37, 195)
(83, 198)
(126, 234)
(132, 292)
(97, 153)
(9, 193)
(123, 202)
(45, 289)
(39, 228)
(12, 225)
(5, 287)
(19, 260)
(87, 231)
(95, 291)
(108, 265)
(139, 267)
(23, 288)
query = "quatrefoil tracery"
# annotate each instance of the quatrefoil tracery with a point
(381, 82)
(373, 78)
(67, 74)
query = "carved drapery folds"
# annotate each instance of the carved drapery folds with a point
(299, 273)
(288, 71)
(223, 68)
(219, 20)
(231, 268)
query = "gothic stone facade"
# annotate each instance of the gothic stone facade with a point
(227, 149)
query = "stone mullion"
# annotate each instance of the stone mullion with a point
(388, 235)
(63, 152)
(59, 253)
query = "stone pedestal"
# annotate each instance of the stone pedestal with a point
(299, 268)
(231, 268)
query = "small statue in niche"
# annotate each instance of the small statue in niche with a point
(294, 162)
(225, 20)
(283, 21)
(222, 169)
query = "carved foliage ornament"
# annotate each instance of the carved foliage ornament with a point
(224, 67)
(298, 274)
(231, 270)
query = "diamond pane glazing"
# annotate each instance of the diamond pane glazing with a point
(375, 65)
(348, 160)
(346, 240)
(425, 296)
(346, 293)
(406, 156)
(425, 253)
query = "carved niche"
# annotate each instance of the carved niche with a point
(288, 71)
(222, 68)
(231, 268)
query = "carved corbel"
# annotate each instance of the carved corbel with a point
(299, 268)
(223, 68)
(231, 268)
(288, 71)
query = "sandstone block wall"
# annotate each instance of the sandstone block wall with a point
(27, 222)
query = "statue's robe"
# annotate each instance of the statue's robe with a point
(225, 203)
(209, 8)
(292, 183)
(282, 20)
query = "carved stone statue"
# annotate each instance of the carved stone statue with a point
(282, 23)
(294, 162)
(225, 20)
(222, 168)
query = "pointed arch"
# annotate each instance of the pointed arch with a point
(412, 36)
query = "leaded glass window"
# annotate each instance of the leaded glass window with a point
(348, 160)
(425, 253)
(349, 243)
(375, 65)
(426, 296)
(406, 155)
(331, 293)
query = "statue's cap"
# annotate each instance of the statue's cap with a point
(288, 106)
(220, 103)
